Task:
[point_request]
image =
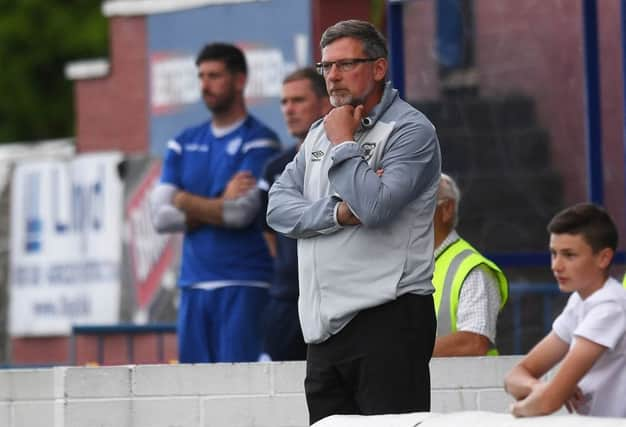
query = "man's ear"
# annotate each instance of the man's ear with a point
(448, 211)
(604, 257)
(240, 81)
(380, 69)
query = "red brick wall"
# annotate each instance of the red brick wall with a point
(112, 112)
(111, 349)
(421, 80)
(328, 12)
(612, 91)
(536, 48)
(40, 351)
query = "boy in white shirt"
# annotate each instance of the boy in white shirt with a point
(589, 337)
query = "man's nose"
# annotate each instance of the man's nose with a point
(333, 73)
(287, 108)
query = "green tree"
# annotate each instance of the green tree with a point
(37, 39)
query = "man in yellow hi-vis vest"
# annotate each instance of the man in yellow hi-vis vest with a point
(470, 290)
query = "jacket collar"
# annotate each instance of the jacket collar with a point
(389, 96)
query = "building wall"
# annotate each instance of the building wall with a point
(111, 112)
(229, 395)
(536, 48)
(325, 13)
(95, 349)
(465, 391)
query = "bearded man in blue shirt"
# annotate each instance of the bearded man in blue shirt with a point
(226, 266)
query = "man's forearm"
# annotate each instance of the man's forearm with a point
(299, 218)
(198, 208)
(461, 343)
(292, 214)
(408, 172)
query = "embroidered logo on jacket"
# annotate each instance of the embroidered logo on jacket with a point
(233, 146)
(317, 155)
(367, 150)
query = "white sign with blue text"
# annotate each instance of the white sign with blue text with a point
(66, 244)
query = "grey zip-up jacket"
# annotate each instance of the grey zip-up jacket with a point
(345, 269)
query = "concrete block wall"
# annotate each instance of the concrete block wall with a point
(212, 395)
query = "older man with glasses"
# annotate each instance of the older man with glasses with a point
(360, 198)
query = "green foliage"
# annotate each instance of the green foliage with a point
(37, 39)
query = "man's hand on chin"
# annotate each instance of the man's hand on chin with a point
(342, 122)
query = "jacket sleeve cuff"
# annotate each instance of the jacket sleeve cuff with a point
(336, 226)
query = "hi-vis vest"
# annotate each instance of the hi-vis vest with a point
(451, 268)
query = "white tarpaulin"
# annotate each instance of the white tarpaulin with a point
(66, 225)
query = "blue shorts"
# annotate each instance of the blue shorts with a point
(220, 325)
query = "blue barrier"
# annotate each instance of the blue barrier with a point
(546, 291)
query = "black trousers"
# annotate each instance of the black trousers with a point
(377, 364)
(282, 338)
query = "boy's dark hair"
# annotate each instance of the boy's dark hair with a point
(231, 55)
(589, 220)
(318, 84)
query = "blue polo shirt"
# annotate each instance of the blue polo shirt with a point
(202, 163)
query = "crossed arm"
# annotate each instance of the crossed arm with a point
(175, 210)
(362, 196)
(537, 397)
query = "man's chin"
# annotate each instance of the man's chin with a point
(340, 101)
(345, 100)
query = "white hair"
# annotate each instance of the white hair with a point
(449, 190)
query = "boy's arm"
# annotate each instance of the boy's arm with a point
(547, 353)
(549, 397)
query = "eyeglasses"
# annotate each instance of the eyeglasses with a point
(343, 65)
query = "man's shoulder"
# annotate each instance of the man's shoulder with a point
(255, 129)
(315, 132)
(279, 161)
(192, 132)
(402, 112)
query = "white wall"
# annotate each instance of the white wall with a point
(213, 395)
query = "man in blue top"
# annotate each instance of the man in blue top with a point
(226, 266)
(303, 101)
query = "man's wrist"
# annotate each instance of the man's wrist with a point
(179, 199)
(336, 213)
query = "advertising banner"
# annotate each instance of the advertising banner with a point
(150, 253)
(66, 233)
(272, 49)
